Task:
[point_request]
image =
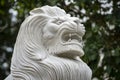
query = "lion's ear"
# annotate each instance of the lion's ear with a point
(36, 11)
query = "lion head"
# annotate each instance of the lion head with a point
(48, 31)
(61, 34)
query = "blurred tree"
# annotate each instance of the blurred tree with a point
(102, 40)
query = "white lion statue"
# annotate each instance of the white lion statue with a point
(48, 47)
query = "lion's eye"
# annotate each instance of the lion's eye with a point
(57, 21)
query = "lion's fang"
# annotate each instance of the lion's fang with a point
(70, 37)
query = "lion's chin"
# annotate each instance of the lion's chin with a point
(71, 51)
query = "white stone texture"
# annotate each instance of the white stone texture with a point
(48, 47)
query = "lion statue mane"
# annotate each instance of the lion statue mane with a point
(48, 47)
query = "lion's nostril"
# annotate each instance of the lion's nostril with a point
(75, 21)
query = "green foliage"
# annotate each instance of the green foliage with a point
(102, 40)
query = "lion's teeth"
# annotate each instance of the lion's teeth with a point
(70, 35)
(70, 38)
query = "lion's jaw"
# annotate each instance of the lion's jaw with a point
(64, 39)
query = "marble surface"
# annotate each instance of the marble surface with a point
(49, 46)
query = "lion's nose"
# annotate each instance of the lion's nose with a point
(74, 24)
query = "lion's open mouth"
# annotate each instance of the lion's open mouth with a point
(71, 44)
(71, 37)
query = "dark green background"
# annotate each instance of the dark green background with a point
(102, 39)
